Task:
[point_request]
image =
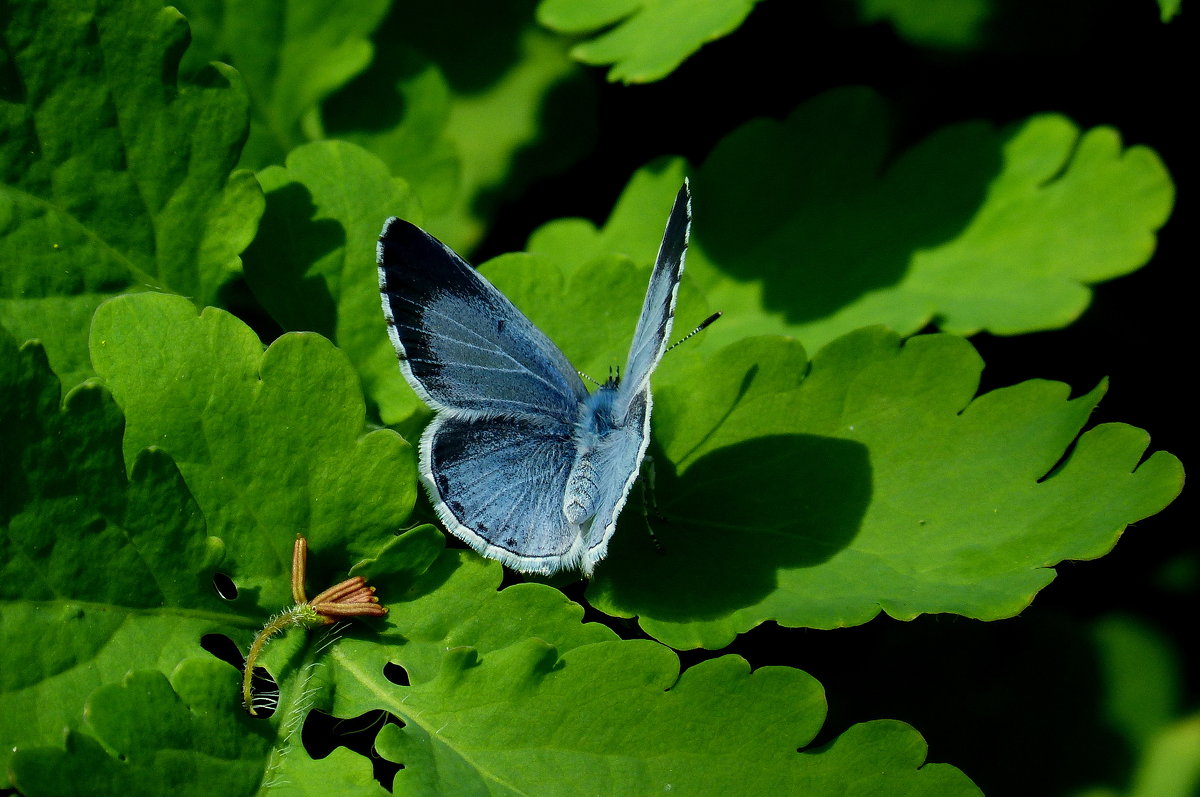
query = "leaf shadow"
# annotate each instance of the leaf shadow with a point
(472, 58)
(278, 264)
(736, 517)
(816, 210)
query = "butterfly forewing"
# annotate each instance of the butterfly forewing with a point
(658, 310)
(463, 345)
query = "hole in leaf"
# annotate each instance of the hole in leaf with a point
(396, 674)
(263, 686)
(224, 586)
(322, 733)
(223, 648)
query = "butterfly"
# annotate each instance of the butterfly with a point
(521, 462)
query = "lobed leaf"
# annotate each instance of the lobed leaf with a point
(508, 689)
(312, 264)
(644, 40)
(872, 480)
(819, 494)
(100, 572)
(270, 443)
(802, 227)
(117, 175)
(618, 717)
(292, 54)
(147, 736)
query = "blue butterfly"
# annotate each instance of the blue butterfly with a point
(521, 462)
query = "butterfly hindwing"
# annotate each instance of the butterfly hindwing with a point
(498, 483)
(617, 461)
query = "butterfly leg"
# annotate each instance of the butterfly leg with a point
(650, 501)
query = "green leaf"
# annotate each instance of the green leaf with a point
(644, 40)
(800, 229)
(474, 654)
(619, 717)
(99, 572)
(312, 266)
(270, 443)
(902, 490)
(899, 490)
(292, 53)
(147, 736)
(117, 176)
(1141, 676)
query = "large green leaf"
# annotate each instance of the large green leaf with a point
(644, 40)
(873, 479)
(818, 494)
(117, 175)
(618, 717)
(292, 53)
(505, 691)
(270, 443)
(99, 571)
(804, 227)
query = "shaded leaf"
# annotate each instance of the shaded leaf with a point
(147, 736)
(270, 443)
(99, 572)
(292, 54)
(312, 265)
(801, 229)
(1169, 9)
(1141, 674)
(117, 175)
(900, 490)
(953, 26)
(644, 40)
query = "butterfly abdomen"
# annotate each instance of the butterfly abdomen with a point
(592, 434)
(583, 487)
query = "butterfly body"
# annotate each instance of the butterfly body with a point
(521, 461)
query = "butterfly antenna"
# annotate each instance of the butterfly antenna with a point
(703, 325)
(588, 378)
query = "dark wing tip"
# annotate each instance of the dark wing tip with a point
(404, 244)
(397, 229)
(679, 225)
